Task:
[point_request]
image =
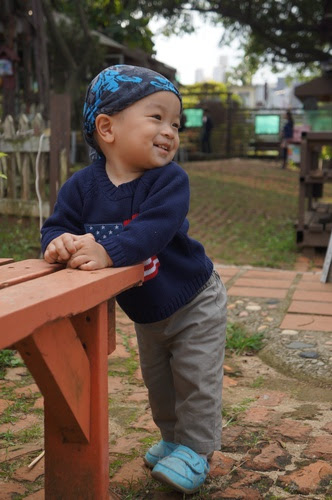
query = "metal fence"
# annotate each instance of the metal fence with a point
(235, 131)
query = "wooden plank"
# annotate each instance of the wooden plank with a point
(29, 305)
(26, 208)
(324, 137)
(311, 239)
(30, 145)
(5, 261)
(25, 270)
(57, 361)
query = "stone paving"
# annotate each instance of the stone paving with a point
(277, 435)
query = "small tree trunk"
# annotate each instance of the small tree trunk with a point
(41, 59)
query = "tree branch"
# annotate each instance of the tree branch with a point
(58, 40)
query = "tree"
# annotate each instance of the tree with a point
(201, 94)
(75, 52)
(243, 73)
(277, 32)
(56, 46)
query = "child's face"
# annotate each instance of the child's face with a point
(146, 134)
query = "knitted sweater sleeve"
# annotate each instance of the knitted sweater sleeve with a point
(161, 215)
(67, 215)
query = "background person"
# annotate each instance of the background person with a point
(207, 126)
(287, 135)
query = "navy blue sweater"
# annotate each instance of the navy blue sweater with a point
(140, 221)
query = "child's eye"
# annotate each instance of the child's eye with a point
(157, 117)
(176, 125)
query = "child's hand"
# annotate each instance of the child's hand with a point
(89, 255)
(63, 247)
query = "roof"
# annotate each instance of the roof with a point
(135, 56)
(105, 40)
(320, 88)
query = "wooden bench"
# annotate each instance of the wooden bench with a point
(62, 322)
(268, 146)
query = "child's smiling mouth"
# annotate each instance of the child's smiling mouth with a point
(163, 147)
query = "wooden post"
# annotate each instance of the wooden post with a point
(40, 54)
(60, 139)
(229, 125)
(302, 189)
(62, 458)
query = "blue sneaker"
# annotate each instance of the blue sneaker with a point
(183, 469)
(157, 452)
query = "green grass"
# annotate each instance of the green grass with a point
(239, 341)
(231, 413)
(244, 212)
(8, 359)
(19, 238)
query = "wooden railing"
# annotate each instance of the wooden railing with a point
(24, 182)
(62, 322)
(36, 162)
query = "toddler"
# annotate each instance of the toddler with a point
(130, 206)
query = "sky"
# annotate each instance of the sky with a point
(200, 50)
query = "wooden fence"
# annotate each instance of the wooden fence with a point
(35, 163)
(24, 183)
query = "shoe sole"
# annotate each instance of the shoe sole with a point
(164, 479)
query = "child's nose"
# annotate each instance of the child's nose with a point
(168, 131)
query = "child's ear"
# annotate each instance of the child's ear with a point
(104, 128)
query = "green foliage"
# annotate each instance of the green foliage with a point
(93, 56)
(20, 240)
(238, 340)
(8, 437)
(76, 50)
(243, 73)
(8, 360)
(276, 33)
(258, 382)
(232, 413)
(124, 22)
(326, 153)
(33, 433)
(198, 94)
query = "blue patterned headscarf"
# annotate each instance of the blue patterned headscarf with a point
(117, 87)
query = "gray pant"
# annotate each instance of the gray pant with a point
(182, 366)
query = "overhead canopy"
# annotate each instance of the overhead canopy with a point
(319, 88)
